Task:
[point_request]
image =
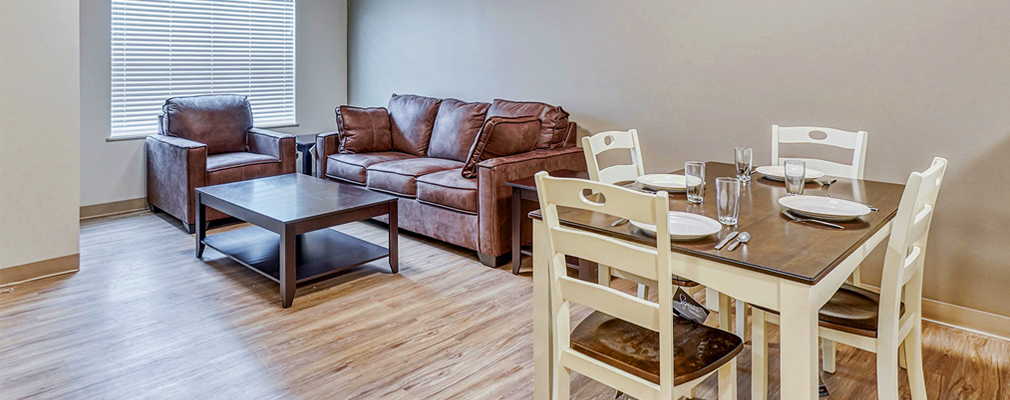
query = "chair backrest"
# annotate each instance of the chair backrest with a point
(906, 249)
(855, 141)
(221, 121)
(650, 263)
(592, 146)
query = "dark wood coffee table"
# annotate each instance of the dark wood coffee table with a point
(289, 243)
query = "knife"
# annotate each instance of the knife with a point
(726, 240)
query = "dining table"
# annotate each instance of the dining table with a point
(790, 267)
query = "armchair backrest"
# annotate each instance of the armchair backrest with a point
(222, 122)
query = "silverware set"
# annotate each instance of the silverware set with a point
(737, 239)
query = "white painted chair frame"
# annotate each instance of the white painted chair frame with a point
(649, 263)
(901, 282)
(855, 141)
(592, 146)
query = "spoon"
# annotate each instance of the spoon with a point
(742, 238)
(828, 183)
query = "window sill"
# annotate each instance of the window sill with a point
(124, 138)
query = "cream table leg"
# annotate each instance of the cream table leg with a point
(726, 315)
(741, 320)
(542, 352)
(710, 299)
(828, 351)
(758, 356)
(798, 341)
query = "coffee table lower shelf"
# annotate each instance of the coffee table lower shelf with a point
(319, 253)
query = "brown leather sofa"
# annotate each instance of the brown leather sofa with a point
(422, 150)
(209, 140)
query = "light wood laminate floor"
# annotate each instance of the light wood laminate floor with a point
(145, 319)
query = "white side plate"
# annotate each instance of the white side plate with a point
(685, 226)
(667, 182)
(778, 173)
(825, 208)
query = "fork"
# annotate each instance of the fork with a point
(798, 219)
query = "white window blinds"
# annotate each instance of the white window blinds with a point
(166, 48)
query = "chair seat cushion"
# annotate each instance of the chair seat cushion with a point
(400, 177)
(448, 189)
(697, 349)
(852, 309)
(352, 167)
(216, 162)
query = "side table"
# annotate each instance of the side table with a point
(526, 189)
(304, 143)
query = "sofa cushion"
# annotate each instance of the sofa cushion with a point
(553, 119)
(351, 167)
(412, 119)
(221, 161)
(500, 137)
(219, 121)
(400, 177)
(448, 189)
(456, 127)
(363, 130)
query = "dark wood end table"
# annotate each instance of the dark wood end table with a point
(303, 144)
(289, 243)
(526, 189)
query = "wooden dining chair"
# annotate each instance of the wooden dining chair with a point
(884, 323)
(592, 147)
(855, 141)
(631, 344)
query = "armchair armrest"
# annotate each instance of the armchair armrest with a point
(275, 144)
(175, 166)
(326, 144)
(493, 210)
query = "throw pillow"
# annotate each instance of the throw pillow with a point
(500, 137)
(363, 130)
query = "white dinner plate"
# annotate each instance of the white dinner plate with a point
(825, 208)
(667, 182)
(778, 173)
(685, 226)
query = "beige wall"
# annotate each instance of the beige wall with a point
(697, 78)
(39, 125)
(115, 171)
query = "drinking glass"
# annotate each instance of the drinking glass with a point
(795, 171)
(744, 157)
(727, 197)
(694, 174)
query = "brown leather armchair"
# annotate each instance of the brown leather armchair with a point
(209, 140)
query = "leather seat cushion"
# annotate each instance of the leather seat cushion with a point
(448, 189)
(352, 167)
(242, 171)
(400, 177)
(697, 349)
(851, 309)
(216, 162)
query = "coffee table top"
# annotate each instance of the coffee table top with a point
(294, 197)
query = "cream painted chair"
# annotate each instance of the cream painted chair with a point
(884, 324)
(592, 147)
(855, 141)
(627, 342)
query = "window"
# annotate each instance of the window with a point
(166, 48)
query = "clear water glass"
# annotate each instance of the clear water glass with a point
(744, 156)
(727, 197)
(795, 172)
(694, 174)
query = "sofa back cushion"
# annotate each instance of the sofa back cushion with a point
(363, 130)
(412, 119)
(500, 137)
(219, 121)
(553, 119)
(456, 127)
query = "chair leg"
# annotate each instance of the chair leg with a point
(758, 356)
(828, 352)
(741, 320)
(562, 382)
(690, 395)
(603, 275)
(887, 374)
(913, 350)
(856, 279)
(643, 291)
(727, 381)
(902, 361)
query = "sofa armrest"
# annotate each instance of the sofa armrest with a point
(494, 212)
(175, 166)
(326, 144)
(274, 144)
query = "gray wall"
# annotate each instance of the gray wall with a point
(115, 171)
(697, 78)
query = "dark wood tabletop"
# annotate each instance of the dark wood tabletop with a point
(295, 197)
(795, 251)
